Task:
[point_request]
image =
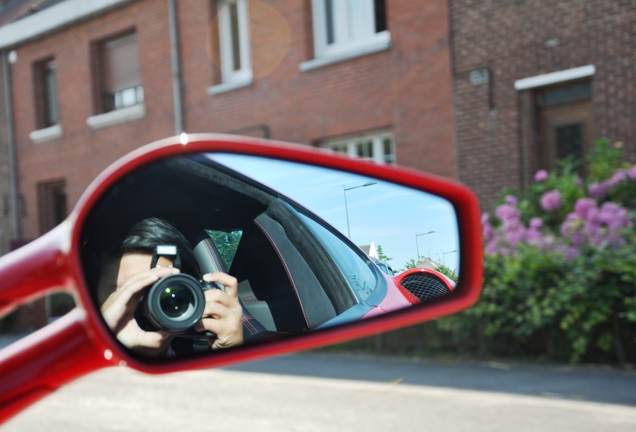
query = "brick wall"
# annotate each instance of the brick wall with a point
(516, 39)
(407, 88)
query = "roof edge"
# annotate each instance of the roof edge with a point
(50, 19)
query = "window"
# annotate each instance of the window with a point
(226, 243)
(378, 147)
(357, 270)
(53, 210)
(119, 83)
(58, 304)
(348, 28)
(45, 94)
(234, 45)
(52, 204)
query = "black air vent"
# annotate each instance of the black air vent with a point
(425, 286)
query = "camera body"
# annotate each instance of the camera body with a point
(175, 302)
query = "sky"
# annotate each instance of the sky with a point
(398, 218)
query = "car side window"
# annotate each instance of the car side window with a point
(226, 242)
(356, 270)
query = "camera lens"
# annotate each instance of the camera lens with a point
(176, 300)
(174, 303)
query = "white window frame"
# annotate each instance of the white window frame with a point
(350, 146)
(354, 32)
(232, 79)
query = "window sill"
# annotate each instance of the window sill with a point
(46, 134)
(229, 86)
(121, 115)
(373, 46)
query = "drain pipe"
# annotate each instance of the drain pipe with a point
(13, 166)
(176, 67)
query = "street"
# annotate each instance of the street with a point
(319, 392)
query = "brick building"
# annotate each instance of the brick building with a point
(92, 80)
(538, 80)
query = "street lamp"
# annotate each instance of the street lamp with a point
(417, 246)
(446, 253)
(345, 189)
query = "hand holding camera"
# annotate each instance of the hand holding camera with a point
(151, 306)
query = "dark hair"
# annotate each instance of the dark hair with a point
(146, 234)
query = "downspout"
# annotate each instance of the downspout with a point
(453, 66)
(176, 67)
(13, 166)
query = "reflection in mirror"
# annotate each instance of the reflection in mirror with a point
(210, 251)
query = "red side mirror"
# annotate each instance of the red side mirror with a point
(81, 342)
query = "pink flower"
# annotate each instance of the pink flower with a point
(489, 231)
(507, 212)
(491, 248)
(571, 253)
(511, 200)
(614, 216)
(583, 207)
(632, 172)
(598, 190)
(515, 232)
(533, 236)
(551, 200)
(541, 176)
(590, 225)
(536, 223)
(619, 176)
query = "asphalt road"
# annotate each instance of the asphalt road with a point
(313, 392)
(595, 384)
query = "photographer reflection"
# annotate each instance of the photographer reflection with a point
(127, 278)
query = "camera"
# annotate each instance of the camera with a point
(175, 302)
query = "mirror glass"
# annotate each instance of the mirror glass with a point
(210, 251)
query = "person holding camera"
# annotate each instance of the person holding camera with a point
(125, 281)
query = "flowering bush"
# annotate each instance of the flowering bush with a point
(560, 268)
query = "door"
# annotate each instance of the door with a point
(565, 125)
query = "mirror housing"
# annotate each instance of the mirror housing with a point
(80, 342)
